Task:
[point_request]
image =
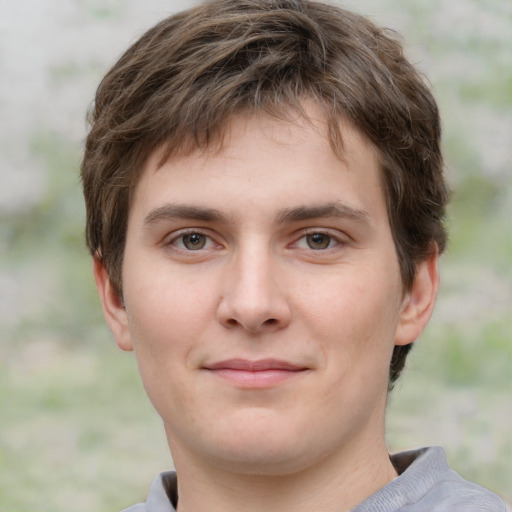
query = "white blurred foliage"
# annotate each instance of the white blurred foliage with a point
(52, 55)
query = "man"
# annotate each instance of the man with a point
(265, 202)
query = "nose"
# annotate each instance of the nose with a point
(253, 298)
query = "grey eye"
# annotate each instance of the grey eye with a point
(318, 241)
(194, 241)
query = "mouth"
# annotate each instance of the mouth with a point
(263, 373)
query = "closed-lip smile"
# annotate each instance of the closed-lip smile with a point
(261, 373)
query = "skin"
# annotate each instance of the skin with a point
(269, 249)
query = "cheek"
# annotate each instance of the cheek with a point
(164, 304)
(353, 316)
(163, 341)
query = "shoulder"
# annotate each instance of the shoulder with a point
(140, 507)
(459, 495)
(426, 483)
(161, 496)
(441, 489)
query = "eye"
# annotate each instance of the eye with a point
(318, 241)
(192, 241)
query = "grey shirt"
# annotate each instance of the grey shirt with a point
(425, 484)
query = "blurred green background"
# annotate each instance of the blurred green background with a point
(76, 431)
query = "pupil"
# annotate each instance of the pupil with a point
(194, 241)
(318, 241)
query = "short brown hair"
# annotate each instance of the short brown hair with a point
(183, 80)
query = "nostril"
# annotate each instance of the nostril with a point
(270, 321)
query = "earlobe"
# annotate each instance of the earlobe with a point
(419, 302)
(113, 308)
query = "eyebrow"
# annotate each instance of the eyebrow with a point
(322, 211)
(183, 211)
(287, 215)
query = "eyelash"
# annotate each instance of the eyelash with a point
(334, 240)
(177, 242)
(180, 237)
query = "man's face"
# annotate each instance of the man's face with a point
(262, 297)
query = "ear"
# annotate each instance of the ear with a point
(113, 308)
(418, 304)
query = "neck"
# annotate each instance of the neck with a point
(334, 484)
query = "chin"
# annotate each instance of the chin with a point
(263, 460)
(271, 450)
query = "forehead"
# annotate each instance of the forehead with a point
(258, 157)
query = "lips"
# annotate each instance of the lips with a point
(255, 366)
(255, 374)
